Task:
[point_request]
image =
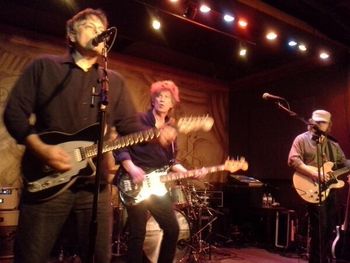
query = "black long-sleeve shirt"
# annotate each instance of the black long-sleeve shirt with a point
(148, 155)
(58, 92)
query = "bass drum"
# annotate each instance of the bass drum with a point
(154, 234)
(180, 196)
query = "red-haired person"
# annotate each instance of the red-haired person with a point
(137, 161)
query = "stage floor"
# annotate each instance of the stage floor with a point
(218, 255)
(241, 255)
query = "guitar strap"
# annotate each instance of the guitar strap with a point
(331, 154)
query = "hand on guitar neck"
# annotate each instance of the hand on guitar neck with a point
(167, 135)
(168, 132)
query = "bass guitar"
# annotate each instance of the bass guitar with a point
(341, 243)
(308, 189)
(42, 182)
(155, 181)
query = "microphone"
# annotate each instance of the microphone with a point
(268, 96)
(102, 36)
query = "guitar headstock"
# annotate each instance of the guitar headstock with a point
(232, 165)
(191, 124)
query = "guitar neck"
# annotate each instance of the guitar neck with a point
(125, 141)
(184, 125)
(341, 171)
(183, 175)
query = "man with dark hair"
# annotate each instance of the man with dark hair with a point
(58, 90)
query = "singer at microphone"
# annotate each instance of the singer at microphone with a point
(103, 36)
(268, 96)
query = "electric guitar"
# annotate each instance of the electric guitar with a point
(341, 243)
(154, 182)
(308, 189)
(42, 182)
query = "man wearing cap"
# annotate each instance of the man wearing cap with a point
(302, 155)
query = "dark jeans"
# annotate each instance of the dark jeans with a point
(40, 225)
(329, 219)
(161, 209)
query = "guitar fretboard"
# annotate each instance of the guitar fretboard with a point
(177, 176)
(128, 140)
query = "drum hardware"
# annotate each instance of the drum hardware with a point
(198, 247)
(202, 217)
(195, 219)
(119, 247)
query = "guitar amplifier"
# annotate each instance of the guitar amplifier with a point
(274, 226)
(8, 226)
(285, 228)
(9, 198)
(214, 198)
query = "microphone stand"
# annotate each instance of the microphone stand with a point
(319, 155)
(317, 138)
(102, 120)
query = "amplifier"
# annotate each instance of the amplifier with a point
(285, 227)
(9, 198)
(8, 225)
(214, 198)
(9, 218)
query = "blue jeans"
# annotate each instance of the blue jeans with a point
(40, 225)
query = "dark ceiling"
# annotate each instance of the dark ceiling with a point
(199, 44)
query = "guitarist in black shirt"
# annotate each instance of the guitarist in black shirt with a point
(58, 90)
(140, 159)
(303, 158)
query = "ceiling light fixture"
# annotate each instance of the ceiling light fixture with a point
(204, 8)
(292, 43)
(229, 18)
(242, 23)
(190, 11)
(302, 47)
(324, 55)
(242, 52)
(271, 35)
(156, 24)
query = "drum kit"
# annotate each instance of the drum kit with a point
(195, 219)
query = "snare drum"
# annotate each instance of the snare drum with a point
(178, 196)
(154, 235)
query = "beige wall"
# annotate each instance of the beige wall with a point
(198, 94)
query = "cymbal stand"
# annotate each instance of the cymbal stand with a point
(119, 244)
(202, 245)
(198, 246)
